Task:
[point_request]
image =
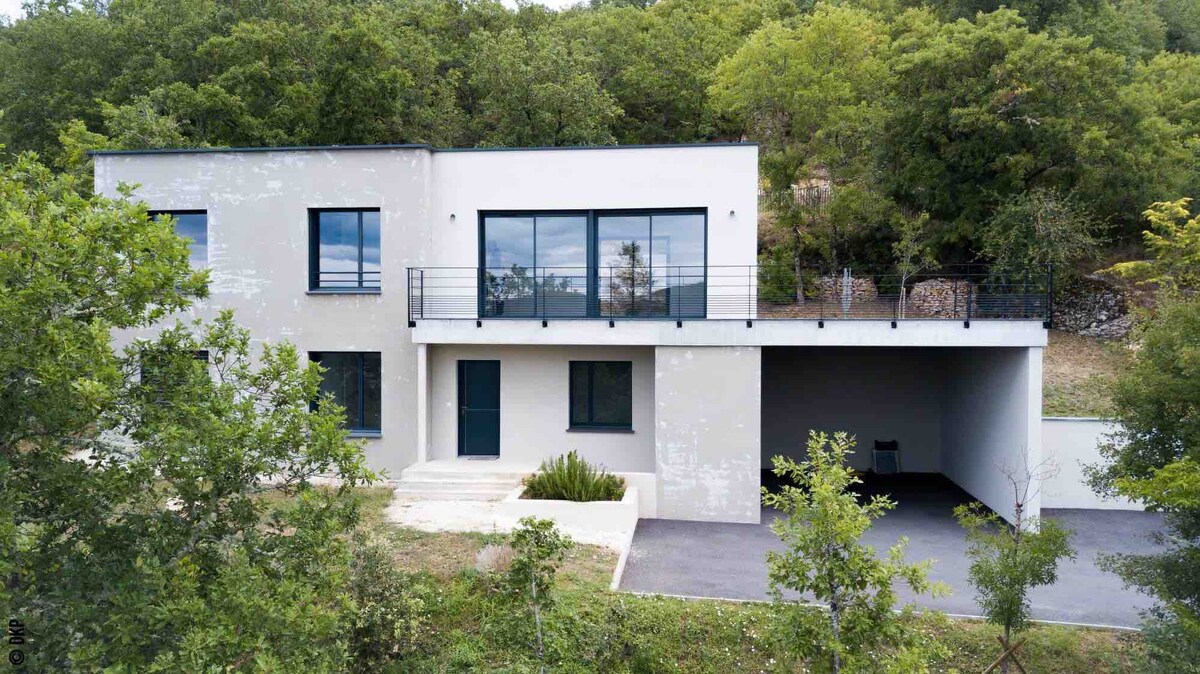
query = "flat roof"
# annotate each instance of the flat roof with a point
(410, 146)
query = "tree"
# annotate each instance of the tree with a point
(914, 253)
(1154, 456)
(139, 531)
(539, 90)
(1008, 560)
(538, 550)
(824, 558)
(987, 111)
(629, 280)
(813, 95)
(1038, 229)
(1173, 241)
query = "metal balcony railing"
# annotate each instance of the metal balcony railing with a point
(345, 279)
(750, 292)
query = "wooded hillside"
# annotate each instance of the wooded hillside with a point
(947, 129)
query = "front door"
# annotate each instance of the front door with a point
(479, 408)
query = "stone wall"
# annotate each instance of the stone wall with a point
(1093, 306)
(939, 298)
(829, 288)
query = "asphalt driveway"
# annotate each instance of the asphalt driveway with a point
(705, 559)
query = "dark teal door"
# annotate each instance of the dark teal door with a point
(479, 408)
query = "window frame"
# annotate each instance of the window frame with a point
(593, 255)
(356, 429)
(591, 425)
(154, 213)
(314, 254)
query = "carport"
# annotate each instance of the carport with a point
(966, 413)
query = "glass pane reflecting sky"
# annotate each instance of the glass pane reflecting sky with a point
(338, 248)
(193, 226)
(507, 242)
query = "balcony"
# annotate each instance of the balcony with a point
(748, 292)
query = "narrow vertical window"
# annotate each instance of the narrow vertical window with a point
(601, 395)
(354, 381)
(344, 249)
(191, 225)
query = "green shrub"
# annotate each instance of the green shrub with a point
(570, 478)
(388, 610)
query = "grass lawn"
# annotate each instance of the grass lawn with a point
(594, 630)
(1076, 375)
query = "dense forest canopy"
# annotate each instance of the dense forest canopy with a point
(936, 120)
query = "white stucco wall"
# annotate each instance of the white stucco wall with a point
(257, 205)
(719, 178)
(534, 399)
(992, 422)
(1070, 444)
(708, 433)
(258, 202)
(871, 393)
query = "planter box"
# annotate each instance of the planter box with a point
(614, 516)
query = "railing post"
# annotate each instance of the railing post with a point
(970, 301)
(1048, 322)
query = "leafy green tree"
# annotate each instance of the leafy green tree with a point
(1182, 21)
(822, 524)
(538, 551)
(914, 253)
(1173, 240)
(1010, 559)
(1154, 457)
(538, 90)
(988, 110)
(812, 94)
(162, 512)
(1033, 230)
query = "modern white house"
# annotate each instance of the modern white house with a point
(514, 304)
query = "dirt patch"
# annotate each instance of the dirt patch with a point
(1077, 375)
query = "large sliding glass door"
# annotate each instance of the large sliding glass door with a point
(623, 264)
(651, 264)
(534, 265)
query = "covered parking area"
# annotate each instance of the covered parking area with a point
(970, 414)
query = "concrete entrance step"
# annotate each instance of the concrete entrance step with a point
(404, 493)
(459, 480)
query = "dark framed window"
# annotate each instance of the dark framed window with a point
(191, 225)
(344, 249)
(353, 378)
(601, 395)
(609, 263)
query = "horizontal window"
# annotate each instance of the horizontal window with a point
(191, 225)
(601, 395)
(354, 381)
(593, 263)
(344, 249)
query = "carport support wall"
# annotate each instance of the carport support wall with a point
(992, 424)
(708, 432)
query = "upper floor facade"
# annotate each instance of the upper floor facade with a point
(608, 245)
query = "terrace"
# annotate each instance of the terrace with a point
(640, 291)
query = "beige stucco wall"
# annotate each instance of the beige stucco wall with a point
(534, 402)
(708, 432)
(257, 205)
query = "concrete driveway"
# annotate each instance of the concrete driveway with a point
(704, 559)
